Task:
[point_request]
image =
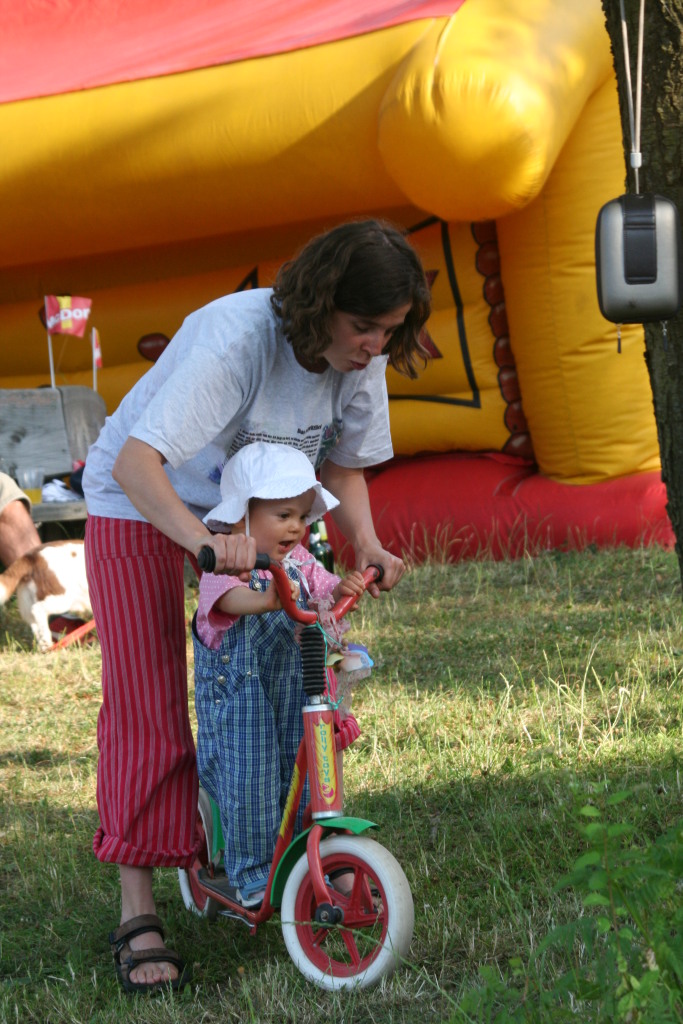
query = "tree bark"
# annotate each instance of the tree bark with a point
(661, 145)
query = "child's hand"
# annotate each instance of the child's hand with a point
(272, 598)
(351, 585)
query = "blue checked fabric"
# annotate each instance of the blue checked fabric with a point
(248, 697)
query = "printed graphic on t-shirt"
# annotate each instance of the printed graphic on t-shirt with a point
(315, 441)
(329, 438)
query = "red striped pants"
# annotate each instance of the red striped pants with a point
(146, 775)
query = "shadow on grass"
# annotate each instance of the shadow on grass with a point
(482, 855)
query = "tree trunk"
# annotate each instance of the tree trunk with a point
(661, 144)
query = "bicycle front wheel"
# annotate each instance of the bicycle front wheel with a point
(378, 915)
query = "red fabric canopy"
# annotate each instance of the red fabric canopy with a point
(56, 46)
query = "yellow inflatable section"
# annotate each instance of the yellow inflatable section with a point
(479, 110)
(492, 135)
(587, 398)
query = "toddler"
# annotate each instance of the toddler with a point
(248, 676)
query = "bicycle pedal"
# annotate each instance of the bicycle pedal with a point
(224, 912)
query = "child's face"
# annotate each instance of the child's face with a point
(279, 524)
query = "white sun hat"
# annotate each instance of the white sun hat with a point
(264, 470)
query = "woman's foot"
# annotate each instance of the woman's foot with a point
(142, 967)
(137, 903)
(151, 972)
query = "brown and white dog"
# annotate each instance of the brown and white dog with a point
(50, 580)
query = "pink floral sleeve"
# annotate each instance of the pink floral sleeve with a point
(211, 622)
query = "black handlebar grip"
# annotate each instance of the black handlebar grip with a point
(380, 571)
(206, 559)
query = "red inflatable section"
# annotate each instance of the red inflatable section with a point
(55, 46)
(458, 506)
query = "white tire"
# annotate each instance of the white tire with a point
(378, 915)
(193, 898)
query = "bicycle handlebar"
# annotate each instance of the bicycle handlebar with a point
(345, 604)
(206, 560)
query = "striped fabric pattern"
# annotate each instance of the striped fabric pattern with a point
(146, 778)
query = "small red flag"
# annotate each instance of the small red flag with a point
(96, 349)
(67, 314)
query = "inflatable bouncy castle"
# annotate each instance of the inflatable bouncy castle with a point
(159, 154)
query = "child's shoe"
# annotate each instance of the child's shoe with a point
(251, 895)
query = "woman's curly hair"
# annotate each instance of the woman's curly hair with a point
(366, 268)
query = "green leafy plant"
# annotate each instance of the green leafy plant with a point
(624, 954)
(634, 941)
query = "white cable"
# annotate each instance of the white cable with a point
(634, 116)
(639, 76)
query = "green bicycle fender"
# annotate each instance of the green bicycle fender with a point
(298, 846)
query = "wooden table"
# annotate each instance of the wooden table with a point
(57, 520)
(58, 511)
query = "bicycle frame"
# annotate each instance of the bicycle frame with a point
(316, 758)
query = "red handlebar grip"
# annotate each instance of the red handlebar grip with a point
(345, 604)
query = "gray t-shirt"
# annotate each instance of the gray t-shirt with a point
(230, 377)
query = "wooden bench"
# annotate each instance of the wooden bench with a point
(51, 428)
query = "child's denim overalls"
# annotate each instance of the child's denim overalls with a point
(248, 697)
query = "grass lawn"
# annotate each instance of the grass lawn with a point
(512, 706)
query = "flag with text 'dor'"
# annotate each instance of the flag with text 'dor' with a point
(67, 314)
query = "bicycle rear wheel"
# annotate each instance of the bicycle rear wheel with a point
(193, 897)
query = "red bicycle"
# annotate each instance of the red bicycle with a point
(337, 939)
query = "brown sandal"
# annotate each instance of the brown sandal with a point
(127, 959)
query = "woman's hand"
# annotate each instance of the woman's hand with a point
(353, 516)
(393, 567)
(235, 553)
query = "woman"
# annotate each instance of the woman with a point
(302, 364)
